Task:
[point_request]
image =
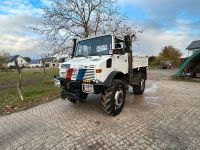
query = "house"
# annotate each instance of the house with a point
(191, 66)
(35, 63)
(21, 61)
(51, 62)
(62, 59)
(193, 47)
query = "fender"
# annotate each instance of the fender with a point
(111, 76)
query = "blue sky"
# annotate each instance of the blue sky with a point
(165, 22)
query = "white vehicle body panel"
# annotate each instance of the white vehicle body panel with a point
(139, 62)
(91, 63)
(119, 63)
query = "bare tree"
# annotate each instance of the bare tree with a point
(43, 61)
(43, 65)
(19, 85)
(4, 60)
(67, 19)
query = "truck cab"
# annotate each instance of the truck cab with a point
(103, 65)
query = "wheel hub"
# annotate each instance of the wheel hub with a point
(142, 84)
(118, 98)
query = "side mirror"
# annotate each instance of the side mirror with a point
(118, 46)
(118, 51)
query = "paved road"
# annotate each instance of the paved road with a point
(167, 116)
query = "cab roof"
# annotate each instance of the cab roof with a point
(101, 35)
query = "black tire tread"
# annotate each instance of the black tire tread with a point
(107, 98)
(137, 89)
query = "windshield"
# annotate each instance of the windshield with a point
(94, 47)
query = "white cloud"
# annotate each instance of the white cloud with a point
(16, 35)
(20, 44)
(167, 22)
(17, 24)
(152, 41)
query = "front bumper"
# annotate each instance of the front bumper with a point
(74, 89)
(56, 81)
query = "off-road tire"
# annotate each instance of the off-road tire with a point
(109, 104)
(139, 89)
(83, 95)
(62, 95)
(72, 100)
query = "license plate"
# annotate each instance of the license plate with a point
(87, 88)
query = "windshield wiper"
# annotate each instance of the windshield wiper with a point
(93, 54)
(82, 56)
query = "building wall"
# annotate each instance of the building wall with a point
(35, 65)
(12, 63)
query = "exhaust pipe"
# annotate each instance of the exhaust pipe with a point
(74, 47)
(128, 49)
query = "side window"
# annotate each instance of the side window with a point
(119, 46)
(79, 49)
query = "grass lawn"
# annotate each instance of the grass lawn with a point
(35, 89)
(27, 74)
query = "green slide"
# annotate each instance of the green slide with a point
(196, 55)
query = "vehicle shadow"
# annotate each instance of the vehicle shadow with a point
(90, 105)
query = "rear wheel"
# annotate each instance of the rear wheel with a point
(83, 97)
(113, 98)
(139, 89)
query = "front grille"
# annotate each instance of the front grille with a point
(81, 74)
(89, 74)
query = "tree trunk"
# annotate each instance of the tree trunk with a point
(19, 91)
(20, 79)
(43, 64)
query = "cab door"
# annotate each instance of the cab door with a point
(120, 58)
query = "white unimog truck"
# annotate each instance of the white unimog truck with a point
(103, 65)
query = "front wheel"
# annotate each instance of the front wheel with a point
(139, 89)
(113, 98)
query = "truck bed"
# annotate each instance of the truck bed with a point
(140, 62)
